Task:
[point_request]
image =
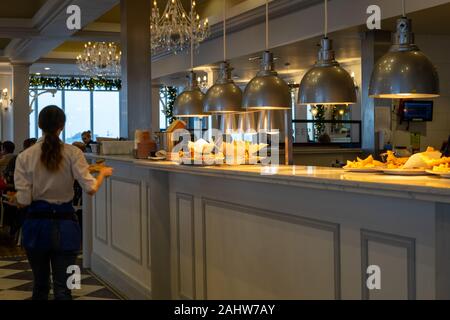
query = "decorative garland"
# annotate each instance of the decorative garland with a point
(320, 126)
(75, 83)
(170, 93)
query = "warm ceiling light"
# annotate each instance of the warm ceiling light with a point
(46, 68)
(189, 104)
(224, 96)
(267, 91)
(404, 72)
(327, 82)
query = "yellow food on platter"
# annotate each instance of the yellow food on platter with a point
(367, 163)
(392, 162)
(425, 160)
(442, 168)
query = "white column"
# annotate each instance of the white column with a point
(135, 102)
(373, 46)
(6, 113)
(20, 107)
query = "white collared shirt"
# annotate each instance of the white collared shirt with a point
(34, 182)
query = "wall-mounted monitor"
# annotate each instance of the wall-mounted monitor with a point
(417, 110)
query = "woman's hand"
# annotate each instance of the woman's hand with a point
(106, 171)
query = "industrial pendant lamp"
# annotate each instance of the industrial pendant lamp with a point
(189, 104)
(327, 83)
(224, 96)
(404, 72)
(267, 91)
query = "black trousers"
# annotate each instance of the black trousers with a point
(40, 262)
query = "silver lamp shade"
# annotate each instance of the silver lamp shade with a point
(327, 82)
(267, 91)
(189, 103)
(224, 96)
(404, 72)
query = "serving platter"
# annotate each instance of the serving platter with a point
(440, 174)
(406, 172)
(364, 170)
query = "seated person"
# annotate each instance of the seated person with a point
(8, 172)
(86, 136)
(13, 216)
(8, 148)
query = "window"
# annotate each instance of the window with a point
(167, 96)
(106, 114)
(97, 111)
(78, 114)
(44, 98)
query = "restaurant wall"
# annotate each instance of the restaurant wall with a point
(434, 133)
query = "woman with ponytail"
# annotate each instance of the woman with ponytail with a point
(44, 178)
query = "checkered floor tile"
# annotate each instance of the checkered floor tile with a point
(16, 282)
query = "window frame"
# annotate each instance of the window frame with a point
(63, 107)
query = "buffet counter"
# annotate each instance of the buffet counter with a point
(167, 231)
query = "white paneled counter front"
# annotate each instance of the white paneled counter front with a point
(166, 231)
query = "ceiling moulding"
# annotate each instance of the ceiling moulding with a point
(103, 26)
(95, 36)
(17, 28)
(48, 22)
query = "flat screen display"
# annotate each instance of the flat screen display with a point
(418, 111)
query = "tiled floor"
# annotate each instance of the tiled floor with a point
(16, 282)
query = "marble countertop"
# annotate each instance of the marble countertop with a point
(429, 188)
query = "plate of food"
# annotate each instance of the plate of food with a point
(368, 165)
(442, 170)
(417, 164)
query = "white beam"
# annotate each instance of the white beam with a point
(50, 21)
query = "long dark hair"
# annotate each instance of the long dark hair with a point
(51, 120)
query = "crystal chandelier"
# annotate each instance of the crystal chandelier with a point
(100, 59)
(174, 28)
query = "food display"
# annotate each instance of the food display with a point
(442, 168)
(242, 152)
(429, 161)
(392, 162)
(200, 152)
(207, 153)
(368, 163)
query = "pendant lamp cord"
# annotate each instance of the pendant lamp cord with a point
(326, 20)
(267, 25)
(403, 8)
(224, 30)
(192, 35)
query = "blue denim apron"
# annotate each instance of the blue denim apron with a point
(51, 234)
